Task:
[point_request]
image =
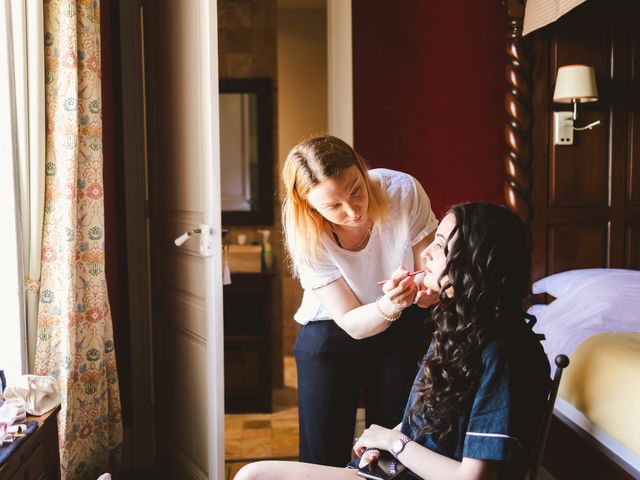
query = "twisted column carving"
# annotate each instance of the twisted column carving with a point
(517, 160)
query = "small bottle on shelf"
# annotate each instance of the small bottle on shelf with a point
(267, 252)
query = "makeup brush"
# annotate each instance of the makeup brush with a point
(411, 274)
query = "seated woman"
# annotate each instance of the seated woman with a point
(477, 401)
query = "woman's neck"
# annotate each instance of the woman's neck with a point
(351, 238)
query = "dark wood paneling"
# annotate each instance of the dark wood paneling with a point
(586, 39)
(583, 196)
(575, 245)
(634, 45)
(633, 160)
(632, 247)
(572, 454)
(579, 173)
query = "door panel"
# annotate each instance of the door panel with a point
(632, 257)
(580, 172)
(185, 193)
(577, 245)
(633, 163)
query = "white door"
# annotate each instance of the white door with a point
(184, 171)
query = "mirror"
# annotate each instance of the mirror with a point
(246, 150)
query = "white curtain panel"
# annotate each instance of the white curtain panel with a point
(13, 325)
(28, 54)
(538, 13)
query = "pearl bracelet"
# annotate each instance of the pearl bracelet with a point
(388, 318)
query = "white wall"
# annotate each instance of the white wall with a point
(302, 75)
(302, 106)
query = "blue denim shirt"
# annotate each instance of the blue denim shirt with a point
(503, 418)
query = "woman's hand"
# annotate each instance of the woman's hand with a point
(400, 289)
(425, 297)
(368, 456)
(375, 438)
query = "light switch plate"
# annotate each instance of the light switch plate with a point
(562, 128)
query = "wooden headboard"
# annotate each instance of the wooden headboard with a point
(582, 201)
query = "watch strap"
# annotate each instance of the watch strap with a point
(403, 443)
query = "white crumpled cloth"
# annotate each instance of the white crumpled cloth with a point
(39, 394)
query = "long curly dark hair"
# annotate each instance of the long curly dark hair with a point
(486, 279)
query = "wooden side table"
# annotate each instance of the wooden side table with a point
(37, 458)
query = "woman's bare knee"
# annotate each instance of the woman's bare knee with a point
(250, 471)
(265, 470)
(279, 470)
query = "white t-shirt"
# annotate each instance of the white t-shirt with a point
(409, 220)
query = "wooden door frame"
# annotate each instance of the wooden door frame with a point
(139, 443)
(213, 217)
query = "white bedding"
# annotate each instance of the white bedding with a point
(589, 302)
(602, 302)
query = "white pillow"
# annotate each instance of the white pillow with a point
(537, 309)
(561, 283)
(609, 302)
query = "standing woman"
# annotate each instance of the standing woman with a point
(346, 227)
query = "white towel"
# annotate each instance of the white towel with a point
(40, 393)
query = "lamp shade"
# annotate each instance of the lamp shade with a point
(575, 83)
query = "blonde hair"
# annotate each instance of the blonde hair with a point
(309, 163)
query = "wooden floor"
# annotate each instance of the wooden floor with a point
(230, 469)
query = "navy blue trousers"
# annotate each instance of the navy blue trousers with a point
(332, 369)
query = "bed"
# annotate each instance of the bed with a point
(595, 319)
(582, 203)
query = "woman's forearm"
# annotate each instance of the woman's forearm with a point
(367, 320)
(422, 461)
(429, 464)
(363, 321)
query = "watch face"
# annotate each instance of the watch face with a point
(396, 447)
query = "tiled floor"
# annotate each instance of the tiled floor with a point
(258, 436)
(250, 436)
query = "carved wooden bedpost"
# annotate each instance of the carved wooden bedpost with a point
(517, 186)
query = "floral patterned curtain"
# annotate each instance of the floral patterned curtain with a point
(75, 335)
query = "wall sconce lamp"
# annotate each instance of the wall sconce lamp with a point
(574, 84)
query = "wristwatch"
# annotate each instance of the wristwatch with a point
(398, 445)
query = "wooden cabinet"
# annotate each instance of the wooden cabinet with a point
(247, 342)
(37, 457)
